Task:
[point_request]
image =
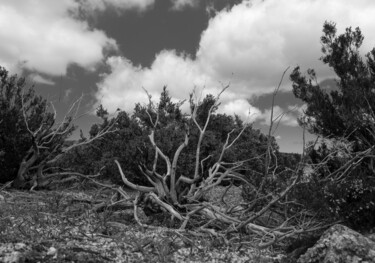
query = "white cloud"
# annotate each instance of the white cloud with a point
(122, 88)
(42, 36)
(257, 40)
(179, 5)
(285, 117)
(297, 109)
(242, 108)
(101, 5)
(249, 45)
(39, 79)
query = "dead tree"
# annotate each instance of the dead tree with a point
(48, 146)
(187, 203)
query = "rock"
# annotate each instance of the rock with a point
(12, 253)
(340, 244)
(52, 252)
(371, 236)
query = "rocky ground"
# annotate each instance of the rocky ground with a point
(63, 226)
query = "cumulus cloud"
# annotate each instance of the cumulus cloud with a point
(122, 88)
(39, 79)
(101, 5)
(242, 108)
(248, 46)
(286, 117)
(257, 40)
(42, 36)
(179, 5)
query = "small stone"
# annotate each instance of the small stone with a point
(52, 252)
(19, 246)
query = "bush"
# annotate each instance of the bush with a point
(346, 117)
(352, 201)
(129, 143)
(15, 140)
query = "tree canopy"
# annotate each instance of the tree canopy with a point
(348, 110)
(31, 139)
(129, 142)
(17, 101)
(344, 115)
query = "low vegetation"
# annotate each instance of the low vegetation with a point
(198, 187)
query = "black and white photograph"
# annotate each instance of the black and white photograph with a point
(187, 131)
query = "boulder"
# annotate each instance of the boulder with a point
(341, 244)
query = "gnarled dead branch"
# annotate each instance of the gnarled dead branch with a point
(48, 144)
(189, 205)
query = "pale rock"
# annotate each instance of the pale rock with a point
(341, 244)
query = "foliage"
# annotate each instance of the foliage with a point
(129, 143)
(346, 116)
(15, 140)
(32, 140)
(124, 143)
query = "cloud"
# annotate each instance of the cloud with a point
(43, 36)
(256, 40)
(242, 108)
(297, 109)
(39, 79)
(122, 88)
(285, 117)
(248, 46)
(179, 5)
(102, 5)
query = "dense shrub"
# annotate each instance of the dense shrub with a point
(345, 115)
(353, 201)
(130, 145)
(16, 99)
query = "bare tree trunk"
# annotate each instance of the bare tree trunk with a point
(21, 180)
(47, 145)
(189, 204)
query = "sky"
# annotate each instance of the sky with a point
(109, 50)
